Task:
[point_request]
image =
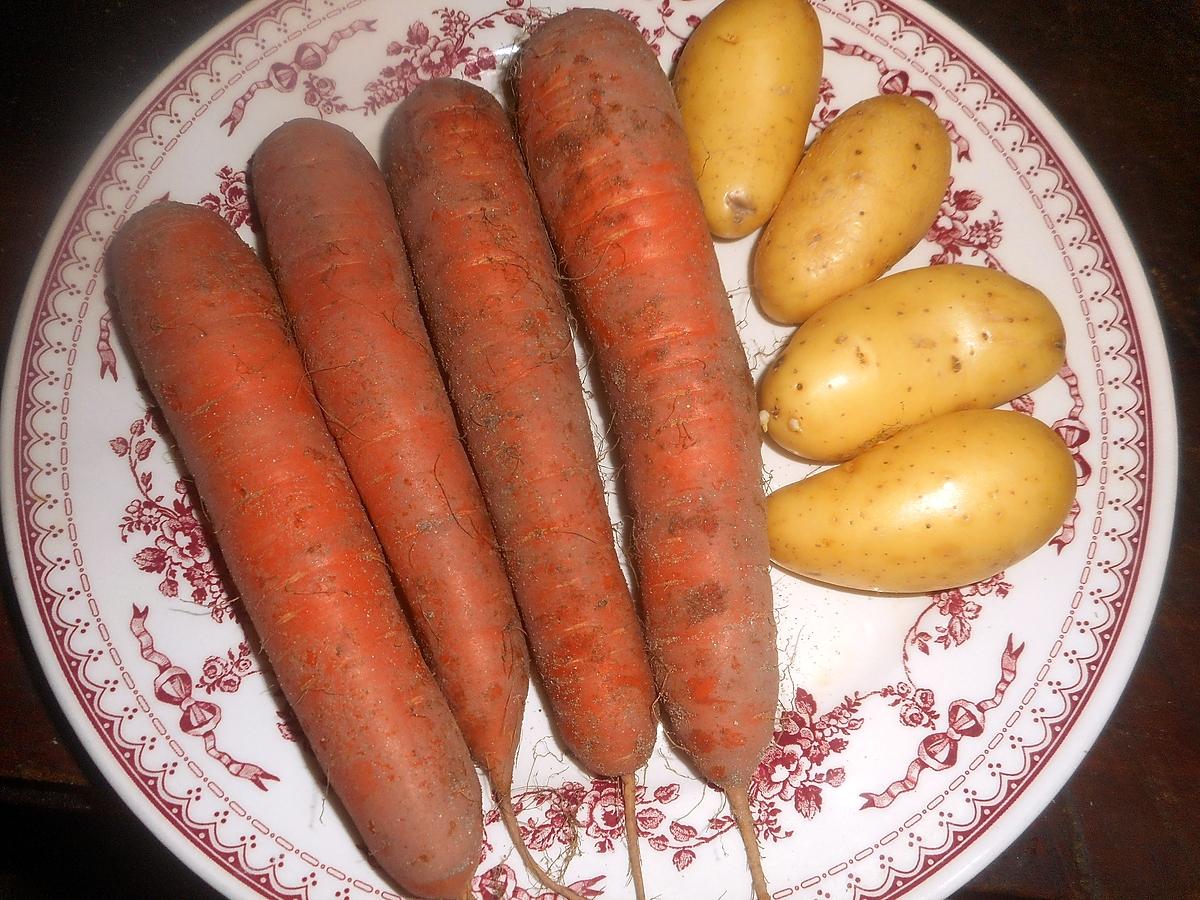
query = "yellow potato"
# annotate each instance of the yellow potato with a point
(866, 191)
(940, 505)
(746, 86)
(904, 349)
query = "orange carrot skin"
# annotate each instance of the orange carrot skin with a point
(344, 278)
(607, 155)
(202, 316)
(497, 316)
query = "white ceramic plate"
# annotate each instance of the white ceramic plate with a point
(918, 736)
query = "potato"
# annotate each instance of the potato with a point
(746, 85)
(905, 349)
(866, 191)
(940, 505)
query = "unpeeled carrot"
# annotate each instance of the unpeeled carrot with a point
(607, 155)
(489, 289)
(204, 320)
(338, 259)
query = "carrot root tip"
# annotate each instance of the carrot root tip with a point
(739, 805)
(631, 835)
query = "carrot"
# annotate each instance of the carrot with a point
(204, 320)
(489, 288)
(340, 265)
(607, 155)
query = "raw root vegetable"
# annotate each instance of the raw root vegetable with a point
(204, 321)
(486, 275)
(609, 161)
(342, 272)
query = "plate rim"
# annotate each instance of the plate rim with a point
(990, 841)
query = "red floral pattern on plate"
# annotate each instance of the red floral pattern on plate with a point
(425, 54)
(180, 550)
(500, 883)
(231, 200)
(225, 672)
(959, 611)
(789, 778)
(961, 238)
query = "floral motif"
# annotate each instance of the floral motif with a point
(225, 673)
(916, 704)
(960, 612)
(286, 724)
(652, 36)
(320, 92)
(179, 551)
(601, 815)
(231, 201)
(500, 883)
(955, 232)
(825, 111)
(425, 54)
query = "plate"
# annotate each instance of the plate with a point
(917, 736)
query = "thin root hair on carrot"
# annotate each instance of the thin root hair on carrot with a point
(509, 817)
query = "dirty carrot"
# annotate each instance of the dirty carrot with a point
(489, 289)
(204, 321)
(341, 268)
(609, 161)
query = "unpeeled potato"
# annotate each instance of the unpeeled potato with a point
(940, 505)
(904, 349)
(865, 192)
(746, 85)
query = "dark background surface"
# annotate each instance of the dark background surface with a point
(1120, 76)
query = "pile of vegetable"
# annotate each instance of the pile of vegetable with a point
(880, 373)
(402, 479)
